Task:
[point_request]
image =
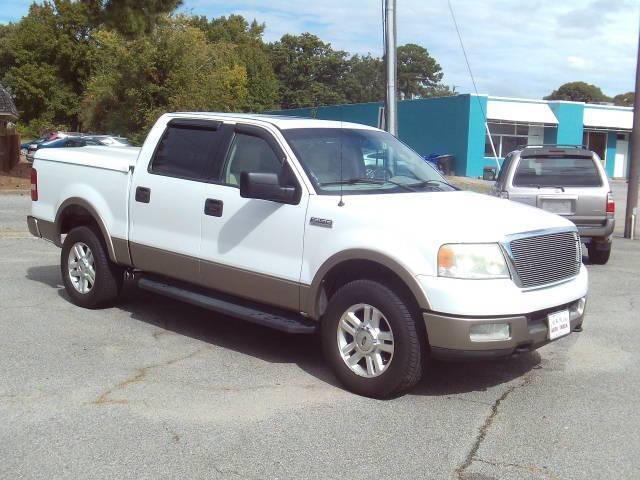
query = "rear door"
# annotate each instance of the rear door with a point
(166, 201)
(568, 185)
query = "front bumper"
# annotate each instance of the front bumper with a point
(450, 336)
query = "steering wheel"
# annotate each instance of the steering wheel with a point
(378, 173)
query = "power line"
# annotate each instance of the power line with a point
(473, 81)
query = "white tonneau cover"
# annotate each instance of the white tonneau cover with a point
(109, 158)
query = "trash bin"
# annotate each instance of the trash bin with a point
(446, 164)
(489, 173)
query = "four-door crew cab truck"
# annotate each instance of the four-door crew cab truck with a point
(307, 225)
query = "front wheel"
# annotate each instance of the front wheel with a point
(89, 277)
(370, 338)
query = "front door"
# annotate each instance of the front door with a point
(253, 248)
(622, 150)
(166, 199)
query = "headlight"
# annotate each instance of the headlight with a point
(472, 261)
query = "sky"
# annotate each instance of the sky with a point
(517, 48)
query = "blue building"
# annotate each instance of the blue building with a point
(456, 125)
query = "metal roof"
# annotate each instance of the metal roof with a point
(525, 112)
(608, 118)
(8, 110)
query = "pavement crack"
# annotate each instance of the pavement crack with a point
(484, 429)
(227, 472)
(139, 375)
(528, 468)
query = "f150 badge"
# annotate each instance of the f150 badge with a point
(321, 222)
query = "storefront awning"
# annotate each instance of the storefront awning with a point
(608, 118)
(528, 113)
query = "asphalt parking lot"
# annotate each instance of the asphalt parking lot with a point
(158, 389)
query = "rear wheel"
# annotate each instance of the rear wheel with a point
(89, 277)
(370, 338)
(599, 253)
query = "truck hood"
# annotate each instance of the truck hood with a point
(449, 217)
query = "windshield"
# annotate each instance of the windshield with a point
(359, 161)
(557, 172)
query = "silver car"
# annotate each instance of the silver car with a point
(565, 180)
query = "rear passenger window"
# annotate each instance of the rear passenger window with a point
(188, 152)
(557, 172)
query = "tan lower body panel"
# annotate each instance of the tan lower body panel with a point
(234, 281)
(121, 251)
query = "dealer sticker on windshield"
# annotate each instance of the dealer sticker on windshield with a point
(559, 324)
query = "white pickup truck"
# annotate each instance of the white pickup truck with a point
(307, 225)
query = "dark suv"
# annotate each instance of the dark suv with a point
(566, 180)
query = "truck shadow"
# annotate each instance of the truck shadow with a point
(170, 317)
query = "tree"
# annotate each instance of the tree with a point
(364, 80)
(131, 18)
(310, 71)
(624, 99)
(46, 59)
(48, 56)
(173, 69)
(419, 75)
(578, 92)
(251, 52)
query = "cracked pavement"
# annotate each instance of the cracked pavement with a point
(157, 389)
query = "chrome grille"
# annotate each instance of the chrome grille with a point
(544, 259)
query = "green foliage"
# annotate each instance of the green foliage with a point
(310, 71)
(365, 80)
(46, 59)
(250, 52)
(173, 69)
(113, 66)
(419, 75)
(624, 99)
(578, 92)
(130, 18)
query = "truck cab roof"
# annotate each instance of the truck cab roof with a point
(280, 121)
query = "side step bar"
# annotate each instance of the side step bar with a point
(262, 315)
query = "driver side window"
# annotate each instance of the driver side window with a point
(249, 153)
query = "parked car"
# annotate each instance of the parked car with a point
(24, 147)
(63, 142)
(109, 140)
(280, 221)
(568, 181)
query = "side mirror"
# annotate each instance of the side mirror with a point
(266, 186)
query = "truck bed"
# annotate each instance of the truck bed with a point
(99, 176)
(110, 158)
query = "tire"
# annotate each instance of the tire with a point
(401, 369)
(107, 277)
(599, 256)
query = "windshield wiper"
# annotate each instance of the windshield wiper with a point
(436, 183)
(560, 187)
(375, 181)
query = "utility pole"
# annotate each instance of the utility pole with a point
(391, 104)
(632, 192)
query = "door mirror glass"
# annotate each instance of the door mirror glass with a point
(267, 186)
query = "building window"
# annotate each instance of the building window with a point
(597, 142)
(508, 137)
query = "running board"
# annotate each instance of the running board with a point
(262, 315)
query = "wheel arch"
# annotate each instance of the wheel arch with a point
(355, 264)
(74, 212)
